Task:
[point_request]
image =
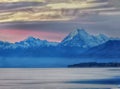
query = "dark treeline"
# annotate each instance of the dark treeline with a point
(95, 64)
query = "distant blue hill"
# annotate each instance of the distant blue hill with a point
(110, 49)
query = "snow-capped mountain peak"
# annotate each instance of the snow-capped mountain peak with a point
(30, 38)
(34, 42)
(80, 38)
(103, 38)
(79, 32)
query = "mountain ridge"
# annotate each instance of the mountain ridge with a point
(83, 39)
(79, 41)
(34, 52)
(77, 38)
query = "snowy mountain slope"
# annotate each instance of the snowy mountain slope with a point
(34, 42)
(5, 45)
(27, 43)
(81, 38)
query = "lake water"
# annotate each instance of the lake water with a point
(60, 78)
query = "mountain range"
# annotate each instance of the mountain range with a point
(77, 45)
(78, 40)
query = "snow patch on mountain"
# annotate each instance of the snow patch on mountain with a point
(81, 38)
(27, 43)
(35, 42)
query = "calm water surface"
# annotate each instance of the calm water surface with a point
(60, 78)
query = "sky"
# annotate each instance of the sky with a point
(52, 20)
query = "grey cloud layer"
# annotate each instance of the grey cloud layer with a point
(18, 5)
(97, 16)
(54, 9)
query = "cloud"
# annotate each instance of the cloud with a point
(110, 13)
(19, 5)
(6, 1)
(59, 17)
(52, 10)
(15, 35)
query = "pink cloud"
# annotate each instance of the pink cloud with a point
(18, 35)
